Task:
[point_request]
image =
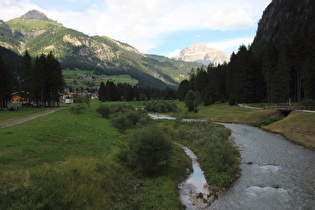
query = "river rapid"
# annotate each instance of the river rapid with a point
(276, 174)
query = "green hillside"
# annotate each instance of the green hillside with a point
(99, 54)
(81, 79)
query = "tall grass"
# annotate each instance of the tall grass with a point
(67, 161)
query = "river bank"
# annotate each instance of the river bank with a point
(297, 127)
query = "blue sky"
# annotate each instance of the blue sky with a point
(162, 27)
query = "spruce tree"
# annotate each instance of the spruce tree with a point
(101, 92)
(26, 78)
(5, 84)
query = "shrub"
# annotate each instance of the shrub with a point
(149, 151)
(264, 122)
(104, 110)
(129, 118)
(78, 108)
(161, 106)
(308, 103)
(232, 102)
(120, 121)
(192, 100)
(218, 158)
(82, 99)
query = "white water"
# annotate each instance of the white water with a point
(282, 175)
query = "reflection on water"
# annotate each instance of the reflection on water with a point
(193, 185)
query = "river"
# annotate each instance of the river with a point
(276, 174)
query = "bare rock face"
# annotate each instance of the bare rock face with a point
(35, 14)
(202, 54)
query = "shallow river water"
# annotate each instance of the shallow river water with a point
(281, 176)
(276, 174)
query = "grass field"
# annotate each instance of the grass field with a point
(78, 79)
(298, 127)
(22, 112)
(66, 161)
(225, 113)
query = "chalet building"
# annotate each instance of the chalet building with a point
(16, 98)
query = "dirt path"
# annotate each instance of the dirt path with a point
(249, 107)
(19, 120)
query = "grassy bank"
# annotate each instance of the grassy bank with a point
(225, 113)
(298, 127)
(69, 161)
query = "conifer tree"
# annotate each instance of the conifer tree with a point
(5, 84)
(26, 77)
(101, 92)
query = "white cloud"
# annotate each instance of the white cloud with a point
(10, 9)
(174, 53)
(228, 46)
(141, 22)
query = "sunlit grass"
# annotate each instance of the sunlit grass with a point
(225, 113)
(63, 160)
(298, 127)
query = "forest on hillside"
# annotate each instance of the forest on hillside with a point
(274, 74)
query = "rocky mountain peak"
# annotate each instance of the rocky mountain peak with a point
(201, 53)
(35, 14)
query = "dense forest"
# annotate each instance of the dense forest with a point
(40, 81)
(126, 92)
(277, 75)
(278, 67)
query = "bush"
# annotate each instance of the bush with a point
(149, 151)
(129, 118)
(232, 102)
(192, 100)
(218, 158)
(82, 99)
(120, 121)
(78, 108)
(103, 110)
(307, 103)
(264, 122)
(161, 106)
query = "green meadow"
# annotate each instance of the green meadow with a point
(78, 79)
(72, 161)
(69, 161)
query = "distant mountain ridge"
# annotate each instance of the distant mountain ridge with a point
(38, 34)
(201, 53)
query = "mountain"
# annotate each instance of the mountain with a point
(282, 19)
(202, 54)
(38, 34)
(34, 14)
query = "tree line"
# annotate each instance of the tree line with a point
(126, 92)
(41, 82)
(275, 74)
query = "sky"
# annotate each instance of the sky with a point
(161, 27)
